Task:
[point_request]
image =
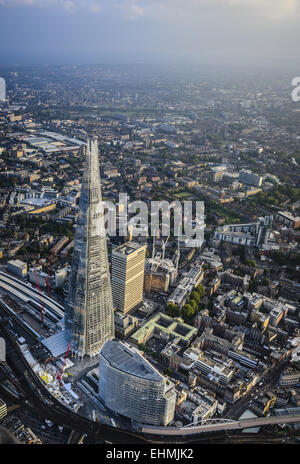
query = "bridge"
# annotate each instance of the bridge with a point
(209, 421)
(215, 425)
(49, 407)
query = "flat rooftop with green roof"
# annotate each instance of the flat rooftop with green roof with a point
(167, 324)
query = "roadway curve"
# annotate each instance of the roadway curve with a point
(50, 408)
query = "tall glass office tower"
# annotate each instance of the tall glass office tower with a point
(89, 319)
(2, 89)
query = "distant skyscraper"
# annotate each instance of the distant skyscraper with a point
(2, 89)
(127, 275)
(89, 306)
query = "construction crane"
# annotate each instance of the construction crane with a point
(164, 247)
(59, 375)
(153, 249)
(49, 271)
(39, 292)
(178, 253)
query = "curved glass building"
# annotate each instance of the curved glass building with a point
(131, 386)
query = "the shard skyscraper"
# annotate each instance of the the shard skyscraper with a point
(89, 319)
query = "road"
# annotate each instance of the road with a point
(270, 380)
(48, 407)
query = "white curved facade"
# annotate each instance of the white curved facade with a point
(129, 385)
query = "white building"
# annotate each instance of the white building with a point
(60, 277)
(38, 276)
(129, 385)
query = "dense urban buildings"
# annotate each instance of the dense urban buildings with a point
(149, 224)
(212, 329)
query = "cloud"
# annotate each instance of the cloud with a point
(271, 9)
(14, 3)
(212, 30)
(188, 11)
(134, 11)
(278, 10)
(67, 5)
(127, 9)
(95, 7)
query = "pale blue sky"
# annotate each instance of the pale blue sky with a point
(208, 31)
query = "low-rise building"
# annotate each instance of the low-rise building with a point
(165, 324)
(290, 377)
(18, 268)
(125, 324)
(286, 218)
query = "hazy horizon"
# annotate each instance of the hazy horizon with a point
(239, 33)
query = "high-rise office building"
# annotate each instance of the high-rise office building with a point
(89, 306)
(127, 275)
(131, 386)
(2, 89)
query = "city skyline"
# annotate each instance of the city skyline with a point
(149, 223)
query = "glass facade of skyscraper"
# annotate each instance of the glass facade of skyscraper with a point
(89, 306)
(2, 89)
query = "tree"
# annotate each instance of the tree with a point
(195, 296)
(200, 290)
(251, 263)
(173, 310)
(252, 285)
(188, 312)
(193, 303)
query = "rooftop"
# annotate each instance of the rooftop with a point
(166, 324)
(129, 360)
(18, 263)
(128, 248)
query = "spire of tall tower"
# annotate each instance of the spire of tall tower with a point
(89, 307)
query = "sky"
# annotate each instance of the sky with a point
(232, 32)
